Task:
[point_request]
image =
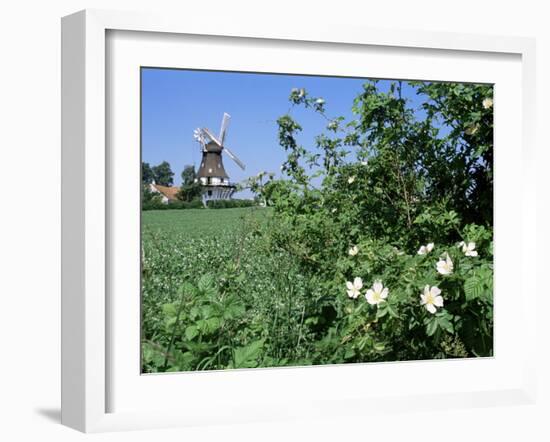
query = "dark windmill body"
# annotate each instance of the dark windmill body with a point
(215, 183)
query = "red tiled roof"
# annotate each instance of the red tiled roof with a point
(168, 192)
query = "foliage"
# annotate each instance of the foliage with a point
(393, 179)
(156, 203)
(190, 189)
(149, 199)
(163, 174)
(232, 203)
(376, 245)
(193, 319)
(147, 176)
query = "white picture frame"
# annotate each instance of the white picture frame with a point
(87, 319)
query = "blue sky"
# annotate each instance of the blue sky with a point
(175, 102)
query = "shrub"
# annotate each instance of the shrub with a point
(401, 198)
(231, 203)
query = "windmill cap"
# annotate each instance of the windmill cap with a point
(213, 147)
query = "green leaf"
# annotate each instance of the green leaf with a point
(191, 332)
(479, 285)
(169, 309)
(152, 355)
(392, 312)
(350, 353)
(187, 288)
(209, 325)
(431, 327)
(206, 284)
(233, 310)
(473, 288)
(445, 324)
(382, 310)
(247, 356)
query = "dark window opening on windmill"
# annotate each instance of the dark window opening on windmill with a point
(209, 193)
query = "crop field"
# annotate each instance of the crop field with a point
(197, 223)
(208, 292)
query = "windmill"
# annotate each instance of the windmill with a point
(212, 175)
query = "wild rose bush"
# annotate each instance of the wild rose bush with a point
(391, 215)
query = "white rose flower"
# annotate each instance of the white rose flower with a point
(424, 250)
(351, 179)
(353, 288)
(445, 267)
(487, 103)
(377, 294)
(320, 101)
(333, 210)
(364, 163)
(469, 248)
(431, 298)
(353, 251)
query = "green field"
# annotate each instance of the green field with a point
(212, 294)
(197, 223)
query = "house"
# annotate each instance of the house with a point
(167, 193)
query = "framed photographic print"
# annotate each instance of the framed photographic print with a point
(250, 214)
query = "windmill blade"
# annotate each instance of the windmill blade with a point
(211, 136)
(225, 124)
(199, 136)
(234, 158)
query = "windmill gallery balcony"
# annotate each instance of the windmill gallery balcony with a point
(215, 181)
(214, 188)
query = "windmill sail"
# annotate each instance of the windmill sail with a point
(212, 137)
(234, 158)
(223, 129)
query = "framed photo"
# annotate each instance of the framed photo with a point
(348, 226)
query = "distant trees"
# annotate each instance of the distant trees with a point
(147, 176)
(190, 189)
(163, 174)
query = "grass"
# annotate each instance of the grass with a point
(197, 223)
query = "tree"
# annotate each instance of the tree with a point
(467, 112)
(190, 189)
(419, 173)
(163, 174)
(146, 173)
